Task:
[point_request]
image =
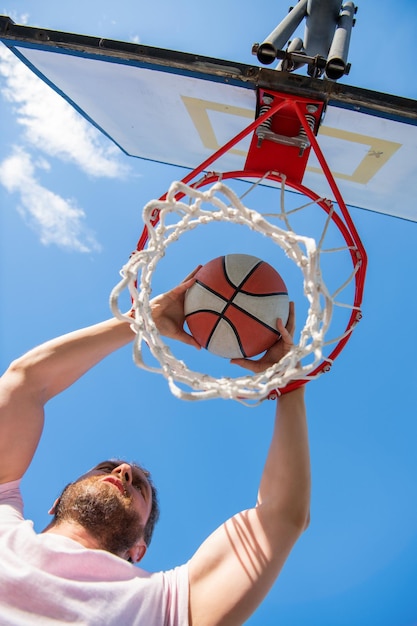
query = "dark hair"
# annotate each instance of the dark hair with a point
(155, 511)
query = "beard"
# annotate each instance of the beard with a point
(103, 511)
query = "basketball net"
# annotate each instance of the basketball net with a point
(185, 207)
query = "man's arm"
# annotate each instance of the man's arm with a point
(31, 380)
(236, 566)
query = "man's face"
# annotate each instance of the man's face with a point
(133, 481)
(112, 502)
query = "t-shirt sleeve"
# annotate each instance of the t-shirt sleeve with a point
(178, 595)
(11, 503)
(154, 598)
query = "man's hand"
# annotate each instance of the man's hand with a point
(168, 311)
(275, 352)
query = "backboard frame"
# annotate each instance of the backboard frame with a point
(231, 72)
(340, 103)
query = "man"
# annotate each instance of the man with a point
(79, 569)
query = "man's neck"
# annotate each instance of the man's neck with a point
(73, 531)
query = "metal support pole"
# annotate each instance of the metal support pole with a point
(267, 50)
(321, 21)
(289, 64)
(337, 60)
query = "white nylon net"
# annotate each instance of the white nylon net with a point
(219, 203)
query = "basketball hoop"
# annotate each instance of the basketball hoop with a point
(315, 353)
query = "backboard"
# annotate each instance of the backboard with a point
(178, 108)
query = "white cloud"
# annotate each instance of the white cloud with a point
(18, 18)
(51, 128)
(57, 220)
(50, 124)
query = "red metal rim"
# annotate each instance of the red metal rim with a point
(352, 241)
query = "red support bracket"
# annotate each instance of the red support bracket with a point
(280, 143)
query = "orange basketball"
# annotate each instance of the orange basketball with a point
(232, 308)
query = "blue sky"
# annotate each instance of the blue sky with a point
(71, 213)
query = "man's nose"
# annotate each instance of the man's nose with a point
(124, 471)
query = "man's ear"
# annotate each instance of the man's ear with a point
(138, 551)
(52, 510)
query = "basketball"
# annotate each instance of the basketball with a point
(232, 308)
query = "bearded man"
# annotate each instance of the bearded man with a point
(80, 569)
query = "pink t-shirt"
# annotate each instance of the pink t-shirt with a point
(48, 579)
